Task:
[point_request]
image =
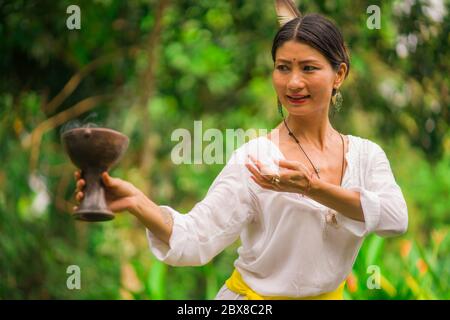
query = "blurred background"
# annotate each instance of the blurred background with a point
(146, 68)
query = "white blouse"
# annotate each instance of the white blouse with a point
(289, 246)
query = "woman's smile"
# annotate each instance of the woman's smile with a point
(298, 99)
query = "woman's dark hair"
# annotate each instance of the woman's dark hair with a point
(318, 32)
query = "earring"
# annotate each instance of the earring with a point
(337, 99)
(280, 107)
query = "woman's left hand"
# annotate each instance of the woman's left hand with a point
(293, 176)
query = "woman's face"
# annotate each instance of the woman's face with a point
(303, 78)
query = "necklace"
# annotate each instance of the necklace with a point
(317, 169)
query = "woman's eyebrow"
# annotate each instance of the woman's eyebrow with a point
(299, 62)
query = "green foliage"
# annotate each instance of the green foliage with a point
(210, 61)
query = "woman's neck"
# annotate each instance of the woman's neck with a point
(313, 131)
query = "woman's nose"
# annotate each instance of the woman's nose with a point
(295, 82)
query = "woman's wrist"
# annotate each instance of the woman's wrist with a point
(138, 201)
(159, 222)
(312, 185)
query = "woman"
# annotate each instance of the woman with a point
(303, 202)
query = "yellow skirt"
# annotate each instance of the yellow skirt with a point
(236, 284)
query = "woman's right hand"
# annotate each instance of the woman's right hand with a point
(120, 195)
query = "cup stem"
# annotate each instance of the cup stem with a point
(93, 207)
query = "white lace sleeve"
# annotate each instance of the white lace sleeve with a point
(213, 224)
(382, 201)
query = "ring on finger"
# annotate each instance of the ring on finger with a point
(275, 180)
